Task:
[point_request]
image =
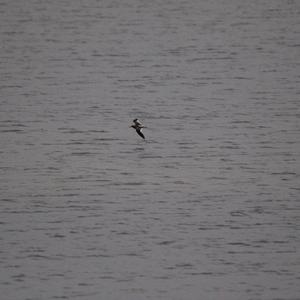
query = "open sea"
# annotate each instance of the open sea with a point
(207, 207)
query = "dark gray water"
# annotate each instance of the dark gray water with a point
(207, 207)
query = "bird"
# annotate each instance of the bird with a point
(138, 127)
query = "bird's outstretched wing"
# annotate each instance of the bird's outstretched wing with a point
(139, 132)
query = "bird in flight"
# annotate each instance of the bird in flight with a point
(138, 127)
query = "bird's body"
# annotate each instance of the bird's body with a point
(138, 127)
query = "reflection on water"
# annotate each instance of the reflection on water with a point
(206, 206)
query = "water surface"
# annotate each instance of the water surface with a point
(206, 207)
